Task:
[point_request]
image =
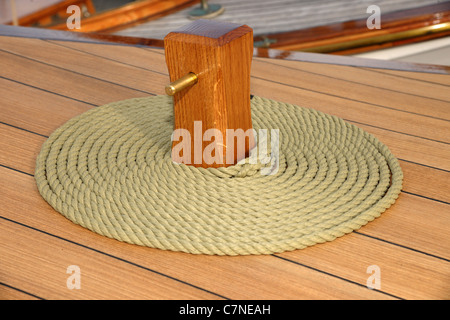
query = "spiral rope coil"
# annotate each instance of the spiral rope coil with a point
(110, 171)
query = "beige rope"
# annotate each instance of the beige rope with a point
(110, 170)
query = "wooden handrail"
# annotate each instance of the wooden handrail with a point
(398, 28)
(354, 37)
(130, 14)
(43, 14)
(116, 19)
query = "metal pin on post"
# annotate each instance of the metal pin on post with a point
(180, 84)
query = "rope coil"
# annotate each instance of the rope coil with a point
(110, 171)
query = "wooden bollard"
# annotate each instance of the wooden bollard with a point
(209, 65)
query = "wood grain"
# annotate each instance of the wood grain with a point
(222, 276)
(440, 81)
(376, 87)
(408, 242)
(10, 293)
(364, 252)
(220, 54)
(44, 266)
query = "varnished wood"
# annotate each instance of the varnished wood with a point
(220, 55)
(44, 16)
(353, 36)
(352, 44)
(347, 37)
(409, 242)
(114, 19)
(128, 15)
(274, 54)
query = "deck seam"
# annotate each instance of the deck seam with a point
(336, 276)
(390, 130)
(26, 130)
(22, 291)
(425, 197)
(351, 99)
(292, 261)
(424, 165)
(17, 170)
(115, 257)
(103, 57)
(402, 246)
(402, 76)
(351, 121)
(174, 278)
(376, 238)
(310, 72)
(75, 72)
(355, 82)
(48, 91)
(319, 92)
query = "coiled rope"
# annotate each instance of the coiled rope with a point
(110, 170)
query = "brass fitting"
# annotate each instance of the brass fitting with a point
(184, 82)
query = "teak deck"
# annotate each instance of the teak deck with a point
(44, 83)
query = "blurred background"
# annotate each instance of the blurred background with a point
(402, 30)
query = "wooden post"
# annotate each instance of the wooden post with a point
(209, 65)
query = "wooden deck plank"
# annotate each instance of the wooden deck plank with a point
(136, 78)
(438, 79)
(433, 129)
(415, 222)
(433, 160)
(16, 136)
(220, 275)
(346, 83)
(327, 101)
(384, 88)
(408, 242)
(345, 252)
(412, 148)
(11, 293)
(425, 181)
(350, 256)
(39, 111)
(44, 262)
(62, 81)
(42, 112)
(19, 148)
(143, 57)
